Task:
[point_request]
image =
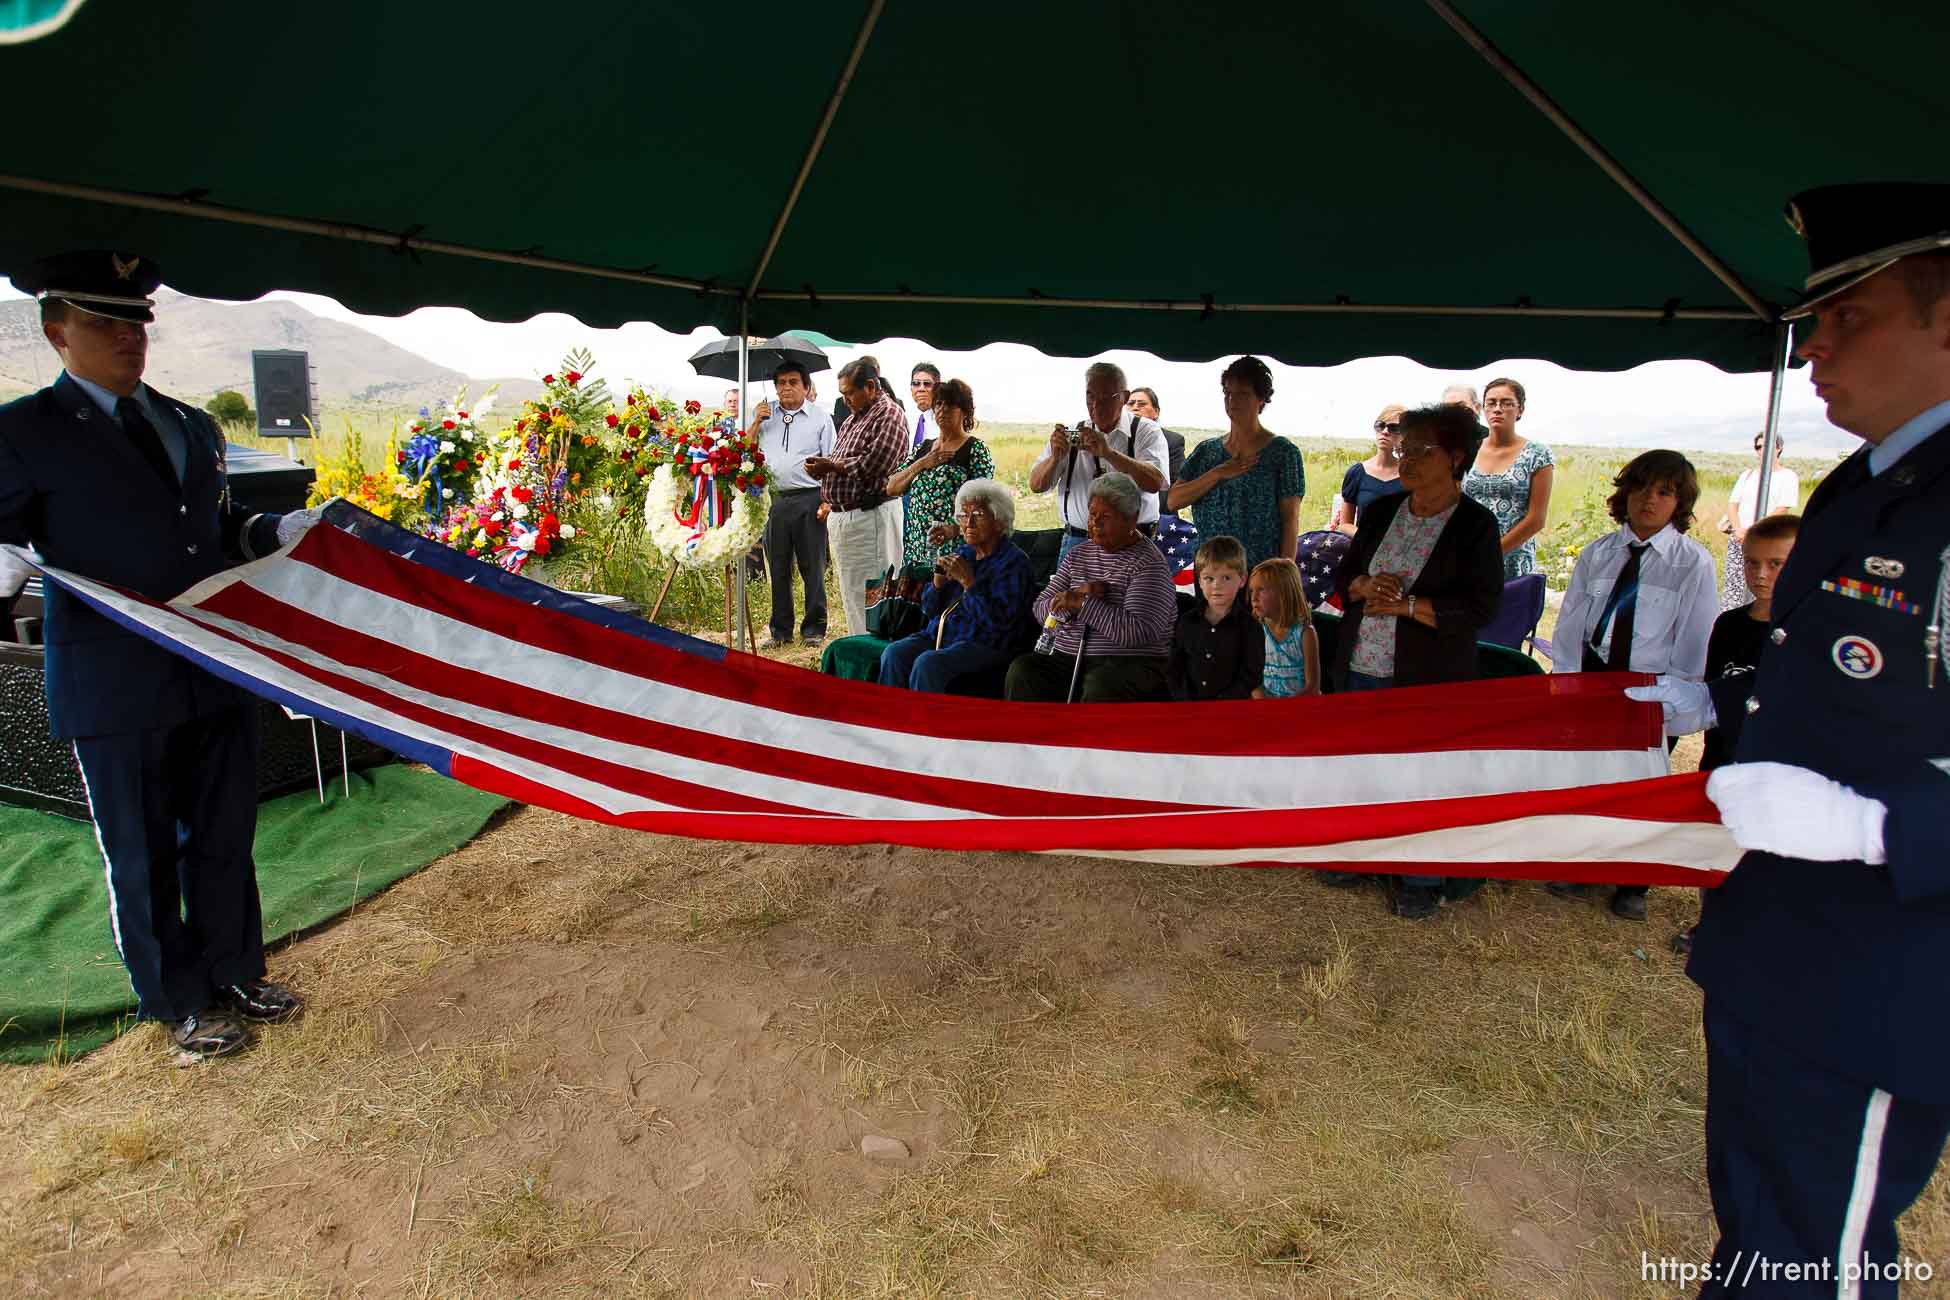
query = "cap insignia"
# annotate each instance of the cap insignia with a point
(123, 270)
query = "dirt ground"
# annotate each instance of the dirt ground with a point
(571, 1060)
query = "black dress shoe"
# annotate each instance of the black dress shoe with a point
(1417, 902)
(261, 1001)
(212, 1031)
(1628, 906)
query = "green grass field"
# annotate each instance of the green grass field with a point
(614, 564)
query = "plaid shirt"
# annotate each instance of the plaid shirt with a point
(995, 607)
(871, 446)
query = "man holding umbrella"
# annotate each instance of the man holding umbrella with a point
(795, 530)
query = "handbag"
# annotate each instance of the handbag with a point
(894, 602)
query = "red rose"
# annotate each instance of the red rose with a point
(758, 458)
(514, 464)
(624, 454)
(446, 424)
(574, 377)
(611, 420)
(550, 523)
(634, 432)
(463, 415)
(523, 495)
(541, 545)
(693, 407)
(629, 399)
(641, 470)
(744, 484)
(548, 379)
(520, 425)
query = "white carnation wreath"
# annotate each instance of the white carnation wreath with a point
(685, 544)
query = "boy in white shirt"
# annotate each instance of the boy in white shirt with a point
(1641, 599)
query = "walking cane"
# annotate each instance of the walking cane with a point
(1083, 635)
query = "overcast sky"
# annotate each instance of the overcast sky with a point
(1684, 404)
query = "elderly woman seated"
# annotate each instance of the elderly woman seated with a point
(1112, 602)
(979, 601)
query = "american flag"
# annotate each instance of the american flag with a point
(515, 688)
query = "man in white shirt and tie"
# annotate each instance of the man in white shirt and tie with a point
(795, 530)
(921, 383)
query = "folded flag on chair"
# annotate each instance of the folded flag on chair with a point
(518, 689)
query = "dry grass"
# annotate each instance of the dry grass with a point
(1116, 1080)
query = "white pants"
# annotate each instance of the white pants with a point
(864, 543)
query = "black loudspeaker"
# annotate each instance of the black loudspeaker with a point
(282, 379)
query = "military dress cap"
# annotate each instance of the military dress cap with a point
(1854, 231)
(101, 281)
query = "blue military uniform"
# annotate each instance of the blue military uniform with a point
(167, 751)
(1828, 1062)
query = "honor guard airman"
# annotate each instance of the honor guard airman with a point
(111, 479)
(1825, 957)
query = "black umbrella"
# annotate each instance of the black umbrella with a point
(720, 360)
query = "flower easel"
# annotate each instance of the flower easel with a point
(700, 518)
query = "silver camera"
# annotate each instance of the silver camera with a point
(1075, 435)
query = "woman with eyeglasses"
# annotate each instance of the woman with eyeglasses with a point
(1367, 481)
(931, 479)
(1512, 477)
(978, 607)
(1425, 573)
(1743, 512)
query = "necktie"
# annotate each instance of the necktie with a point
(1621, 608)
(920, 422)
(143, 437)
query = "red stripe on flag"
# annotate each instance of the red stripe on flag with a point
(1570, 712)
(354, 649)
(1671, 800)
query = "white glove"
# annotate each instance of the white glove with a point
(294, 525)
(1688, 706)
(1777, 808)
(17, 565)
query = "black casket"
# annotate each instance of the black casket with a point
(37, 771)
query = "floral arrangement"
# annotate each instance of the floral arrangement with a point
(441, 452)
(528, 477)
(707, 483)
(376, 484)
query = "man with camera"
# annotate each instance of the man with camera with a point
(1114, 439)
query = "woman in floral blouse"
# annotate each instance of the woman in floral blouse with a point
(1511, 477)
(937, 471)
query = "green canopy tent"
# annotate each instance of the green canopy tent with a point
(1451, 182)
(1316, 182)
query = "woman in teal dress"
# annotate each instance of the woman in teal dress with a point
(937, 471)
(1248, 484)
(1511, 478)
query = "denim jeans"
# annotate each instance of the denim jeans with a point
(913, 662)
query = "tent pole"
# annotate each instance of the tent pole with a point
(1783, 348)
(744, 611)
(1544, 104)
(818, 143)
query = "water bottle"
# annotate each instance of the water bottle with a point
(1046, 643)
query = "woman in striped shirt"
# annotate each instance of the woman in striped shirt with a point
(1111, 601)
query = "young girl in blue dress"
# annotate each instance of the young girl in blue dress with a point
(1292, 648)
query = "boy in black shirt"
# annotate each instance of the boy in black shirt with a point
(1740, 638)
(1218, 651)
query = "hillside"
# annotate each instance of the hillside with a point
(198, 348)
